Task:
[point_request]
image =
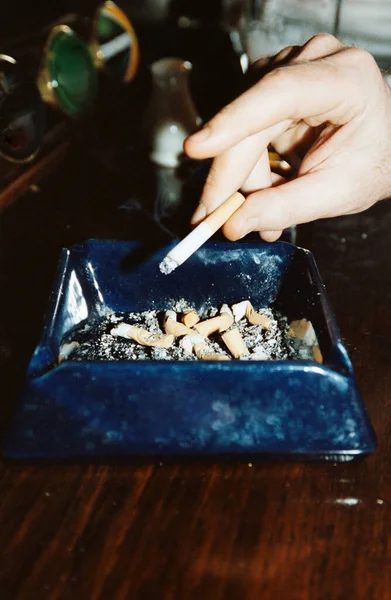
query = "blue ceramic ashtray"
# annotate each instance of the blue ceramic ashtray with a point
(123, 409)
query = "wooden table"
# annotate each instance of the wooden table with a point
(196, 531)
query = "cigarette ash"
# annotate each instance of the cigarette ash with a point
(95, 342)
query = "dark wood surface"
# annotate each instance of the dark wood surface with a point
(196, 531)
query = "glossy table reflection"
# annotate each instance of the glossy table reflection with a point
(194, 530)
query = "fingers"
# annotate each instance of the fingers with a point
(325, 90)
(319, 46)
(260, 177)
(270, 236)
(229, 172)
(294, 143)
(284, 96)
(314, 196)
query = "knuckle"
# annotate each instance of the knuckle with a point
(211, 181)
(282, 81)
(277, 77)
(321, 44)
(325, 40)
(362, 67)
(359, 57)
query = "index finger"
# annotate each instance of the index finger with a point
(317, 89)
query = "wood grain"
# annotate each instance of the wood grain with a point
(201, 531)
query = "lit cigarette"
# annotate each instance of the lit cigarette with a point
(173, 327)
(66, 350)
(142, 336)
(191, 243)
(191, 318)
(235, 343)
(245, 309)
(219, 323)
(303, 330)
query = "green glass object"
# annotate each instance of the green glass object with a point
(114, 43)
(71, 71)
(107, 29)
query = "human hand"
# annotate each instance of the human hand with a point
(325, 108)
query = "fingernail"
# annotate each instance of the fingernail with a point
(199, 214)
(201, 135)
(250, 225)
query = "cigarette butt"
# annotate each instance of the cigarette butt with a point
(235, 343)
(246, 309)
(202, 352)
(215, 356)
(188, 342)
(303, 330)
(255, 318)
(171, 314)
(66, 350)
(276, 162)
(175, 328)
(239, 310)
(316, 353)
(200, 349)
(142, 336)
(190, 318)
(226, 309)
(201, 233)
(209, 326)
(280, 164)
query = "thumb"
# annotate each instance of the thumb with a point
(317, 195)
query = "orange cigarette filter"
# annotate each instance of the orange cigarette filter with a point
(209, 326)
(235, 343)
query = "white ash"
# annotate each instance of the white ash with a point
(182, 306)
(96, 343)
(167, 266)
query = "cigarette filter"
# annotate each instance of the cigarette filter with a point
(173, 327)
(235, 343)
(190, 318)
(142, 336)
(209, 326)
(245, 309)
(316, 353)
(303, 330)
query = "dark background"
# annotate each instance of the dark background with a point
(23, 16)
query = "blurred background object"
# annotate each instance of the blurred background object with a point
(68, 78)
(171, 115)
(220, 38)
(22, 114)
(114, 43)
